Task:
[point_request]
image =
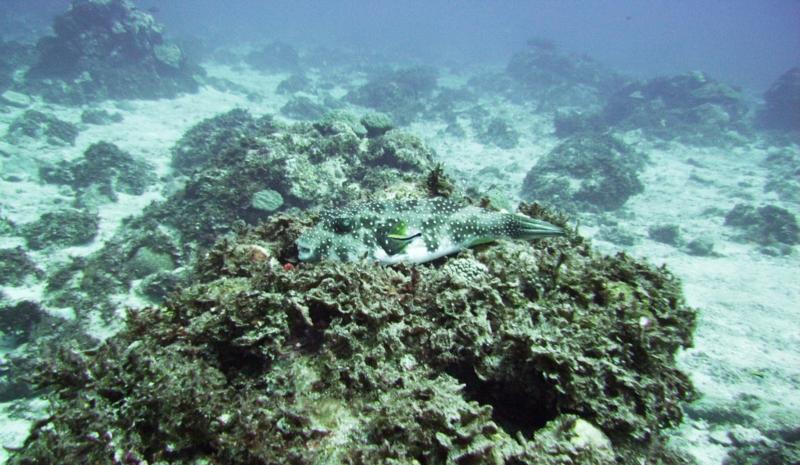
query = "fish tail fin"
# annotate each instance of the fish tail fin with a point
(523, 227)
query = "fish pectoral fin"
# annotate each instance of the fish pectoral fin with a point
(403, 238)
(396, 243)
(481, 240)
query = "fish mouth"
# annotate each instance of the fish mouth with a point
(304, 252)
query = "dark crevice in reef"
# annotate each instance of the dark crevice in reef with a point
(516, 408)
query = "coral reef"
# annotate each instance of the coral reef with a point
(586, 172)
(768, 225)
(701, 247)
(331, 161)
(568, 123)
(13, 55)
(15, 266)
(376, 124)
(303, 108)
(777, 448)
(17, 321)
(554, 80)
(32, 333)
(61, 229)
(400, 150)
(294, 83)
(402, 93)
(783, 174)
(274, 57)
(213, 136)
(38, 125)
(104, 170)
(690, 108)
(516, 353)
(782, 103)
(108, 49)
(100, 117)
(666, 233)
(500, 133)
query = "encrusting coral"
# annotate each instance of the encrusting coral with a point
(513, 353)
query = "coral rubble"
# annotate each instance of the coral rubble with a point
(103, 170)
(61, 228)
(38, 125)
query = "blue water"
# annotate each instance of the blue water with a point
(745, 43)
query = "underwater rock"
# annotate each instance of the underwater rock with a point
(103, 170)
(109, 49)
(100, 117)
(766, 225)
(38, 125)
(274, 57)
(303, 108)
(403, 93)
(782, 103)
(61, 229)
(517, 353)
(17, 321)
(557, 80)
(586, 172)
(15, 266)
(689, 108)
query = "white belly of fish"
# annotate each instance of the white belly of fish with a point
(416, 252)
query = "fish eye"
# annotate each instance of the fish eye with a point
(342, 225)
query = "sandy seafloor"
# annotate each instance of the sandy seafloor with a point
(746, 353)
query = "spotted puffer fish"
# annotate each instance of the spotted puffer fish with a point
(411, 231)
